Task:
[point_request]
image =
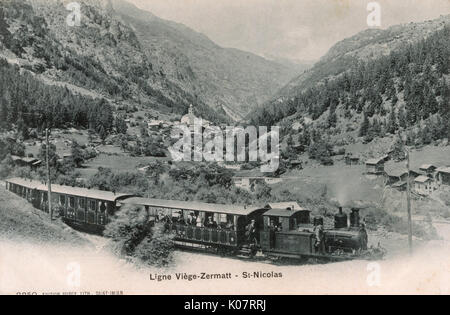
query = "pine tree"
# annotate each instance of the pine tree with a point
(402, 118)
(332, 119)
(121, 125)
(398, 149)
(77, 154)
(392, 126)
(3, 114)
(365, 125)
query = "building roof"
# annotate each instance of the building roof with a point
(377, 160)
(283, 213)
(427, 166)
(28, 160)
(443, 170)
(192, 206)
(67, 190)
(422, 179)
(290, 205)
(396, 172)
(399, 185)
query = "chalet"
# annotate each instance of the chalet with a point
(428, 169)
(67, 157)
(155, 124)
(23, 161)
(297, 164)
(413, 173)
(443, 176)
(235, 167)
(376, 166)
(351, 159)
(424, 185)
(242, 182)
(395, 176)
(249, 183)
(272, 180)
(401, 186)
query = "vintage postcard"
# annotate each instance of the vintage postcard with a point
(226, 147)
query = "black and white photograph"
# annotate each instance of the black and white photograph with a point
(231, 148)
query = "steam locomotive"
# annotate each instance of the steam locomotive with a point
(277, 230)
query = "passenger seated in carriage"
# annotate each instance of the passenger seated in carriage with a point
(191, 219)
(210, 223)
(230, 225)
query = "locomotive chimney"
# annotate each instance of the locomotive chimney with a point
(340, 220)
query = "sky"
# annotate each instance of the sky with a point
(301, 30)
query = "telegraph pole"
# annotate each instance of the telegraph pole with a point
(408, 202)
(50, 209)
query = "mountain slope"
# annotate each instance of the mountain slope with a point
(131, 56)
(230, 78)
(102, 56)
(366, 45)
(359, 92)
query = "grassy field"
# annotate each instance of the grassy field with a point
(117, 163)
(20, 222)
(346, 185)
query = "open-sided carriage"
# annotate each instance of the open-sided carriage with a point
(216, 227)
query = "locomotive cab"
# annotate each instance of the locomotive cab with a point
(287, 233)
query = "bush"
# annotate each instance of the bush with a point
(133, 235)
(157, 249)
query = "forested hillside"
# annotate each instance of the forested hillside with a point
(406, 90)
(102, 56)
(28, 103)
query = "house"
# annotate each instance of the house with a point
(297, 164)
(235, 167)
(413, 173)
(67, 157)
(395, 176)
(351, 159)
(242, 182)
(428, 169)
(443, 176)
(273, 180)
(249, 183)
(376, 166)
(26, 161)
(155, 124)
(401, 186)
(424, 185)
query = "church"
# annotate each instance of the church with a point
(189, 118)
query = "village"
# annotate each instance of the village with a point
(425, 180)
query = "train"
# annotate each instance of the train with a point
(277, 230)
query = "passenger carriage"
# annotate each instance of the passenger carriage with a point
(86, 209)
(227, 234)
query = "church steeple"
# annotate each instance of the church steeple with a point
(191, 115)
